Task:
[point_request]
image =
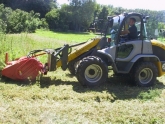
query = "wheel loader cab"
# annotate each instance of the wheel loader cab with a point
(126, 48)
(125, 45)
(125, 25)
(122, 49)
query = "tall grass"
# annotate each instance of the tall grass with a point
(18, 45)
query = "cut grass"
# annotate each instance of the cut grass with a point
(59, 98)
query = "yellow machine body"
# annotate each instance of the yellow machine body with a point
(80, 50)
(161, 48)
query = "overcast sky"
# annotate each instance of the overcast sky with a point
(131, 4)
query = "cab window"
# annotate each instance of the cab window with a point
(124, 50)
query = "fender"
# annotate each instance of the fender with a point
(130, 64)
(155, 58)
(106, 52)
(110, 57)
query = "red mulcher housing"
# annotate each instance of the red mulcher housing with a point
(22, 69)
(28, 67)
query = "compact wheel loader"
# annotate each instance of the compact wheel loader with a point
(141, 58)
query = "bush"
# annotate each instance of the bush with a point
(43, 24)
(17, 21)
(2, 26)
(20, 21)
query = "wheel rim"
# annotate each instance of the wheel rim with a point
(145, 75)
(93, 73)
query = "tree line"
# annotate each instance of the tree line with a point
(79, 15)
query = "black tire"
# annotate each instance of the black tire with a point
(71, 67)
(145, 74)
(91, 71)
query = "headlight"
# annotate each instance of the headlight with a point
(163, 67)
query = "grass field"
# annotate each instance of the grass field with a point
(60, 99)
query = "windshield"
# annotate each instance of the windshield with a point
(115, 27)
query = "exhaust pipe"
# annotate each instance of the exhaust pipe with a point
(6, 58)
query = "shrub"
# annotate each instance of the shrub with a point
(43, 24)
(17, 21)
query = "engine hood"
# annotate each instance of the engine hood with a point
(158, 43)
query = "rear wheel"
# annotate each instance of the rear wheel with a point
(91, 71)
(145, 74)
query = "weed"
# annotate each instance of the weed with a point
(150, 94)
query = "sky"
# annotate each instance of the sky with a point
(131, 4)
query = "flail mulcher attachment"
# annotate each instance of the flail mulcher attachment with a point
(28, 67)
(24, 68)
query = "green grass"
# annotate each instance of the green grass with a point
(59, 98)
(67, 37)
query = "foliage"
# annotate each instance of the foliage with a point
(52, 18)
(64, 17)
(16, 21)
(101, 13)
(82, 13)
(38, 6)
(20, 21)
(4, 15)
(43, 24)
(161, 28)
(161, 25)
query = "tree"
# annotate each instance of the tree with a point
(82, 13)
(161, 25)
(52, 18)
(4, 15)
(87, 13)
(103, 17)
(64, 17)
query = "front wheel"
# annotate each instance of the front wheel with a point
(145, 74)
(71, 67)
(91, 71)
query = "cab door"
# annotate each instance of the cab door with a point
(126, 49)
